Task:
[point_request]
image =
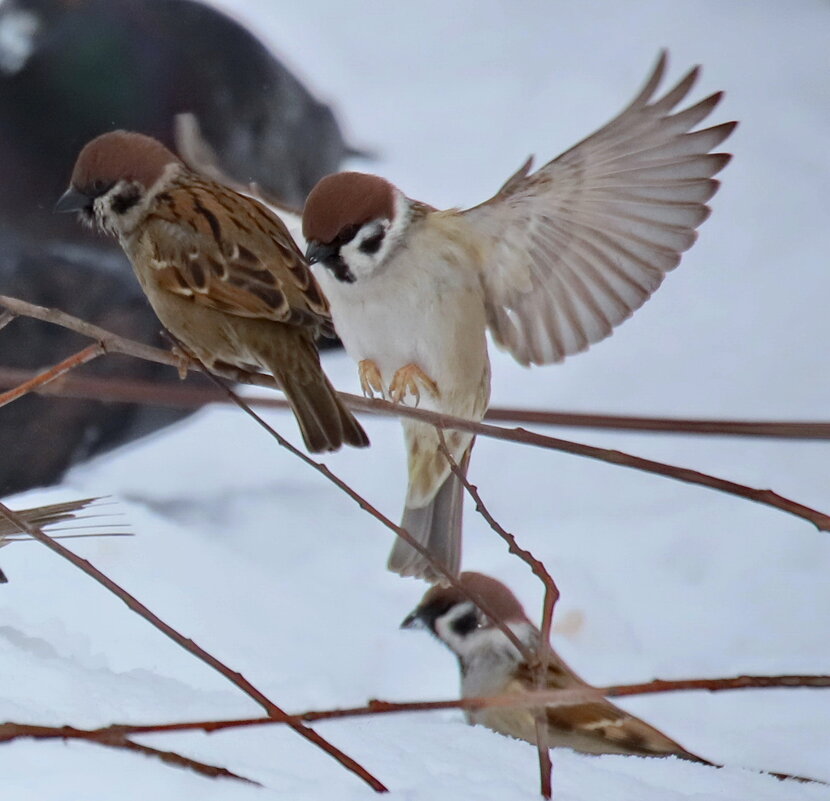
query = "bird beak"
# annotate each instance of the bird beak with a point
(319, 252)
(413, 620)
(72, 200)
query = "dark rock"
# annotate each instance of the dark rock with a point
(41, 437)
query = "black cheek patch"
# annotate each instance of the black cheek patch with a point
(125, 200)
(340, 270)
(465, 624)
(372, 244)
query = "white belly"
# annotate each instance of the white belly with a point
(411, 314)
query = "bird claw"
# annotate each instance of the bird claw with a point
(405, 381)
(371, 380)
(184, 361)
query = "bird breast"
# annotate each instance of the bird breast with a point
(426, 306)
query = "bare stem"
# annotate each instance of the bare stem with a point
(551, 698)
(189, 645)
(542, 660)
(158, 393)
(47, 376)
(115, 739)
(438, 566)
(117, 344)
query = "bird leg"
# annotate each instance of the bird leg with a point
(406, 381)
(371, 380)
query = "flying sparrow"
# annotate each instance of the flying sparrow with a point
(44, 516)
(221, 272)
(550, 265)
(490, 665)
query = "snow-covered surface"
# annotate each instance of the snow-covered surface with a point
(264, 563)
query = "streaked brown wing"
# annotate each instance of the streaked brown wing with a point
(228, 252)
(599, 721)
(583, 242)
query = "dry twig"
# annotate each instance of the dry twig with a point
(47, 376)
(552, 698)
(114, 739)
(540, 668)
(439, 567)
(116, 344)
(189, 645)
(157, 393)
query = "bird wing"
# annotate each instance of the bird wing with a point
(228, 252)
(596, 726)
(577, 246)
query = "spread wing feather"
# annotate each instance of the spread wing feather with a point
(577, 246)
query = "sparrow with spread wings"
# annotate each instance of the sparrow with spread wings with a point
(549, 265)
(220, 270)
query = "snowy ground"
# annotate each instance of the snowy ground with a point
(264, 563)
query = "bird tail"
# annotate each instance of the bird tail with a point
(324, 420)
(437, 526)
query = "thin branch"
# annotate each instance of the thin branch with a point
(715, 685)
(116, 344)
(47, 376)
(550, 698)
(179, 761)
(114, 739)
(6, 317)
(158, 393)
(536, 565)
(438, 566)
(189, 645)
(543, 653)
(770, 429)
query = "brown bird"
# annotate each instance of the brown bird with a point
(491, 665)
(43, 517)
(550, 265)
(221, 272)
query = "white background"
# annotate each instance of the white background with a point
(261, 561)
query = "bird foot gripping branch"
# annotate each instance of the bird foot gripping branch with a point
(405, 382)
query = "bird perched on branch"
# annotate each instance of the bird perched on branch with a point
(44, 517)
(491, 665)
(550, 265)
(220, 270)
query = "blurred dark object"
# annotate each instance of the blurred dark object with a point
(70, 70)
(41, 437)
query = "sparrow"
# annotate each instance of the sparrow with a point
(44, 516)
(549, 265)
(221, 272)
(491, 665)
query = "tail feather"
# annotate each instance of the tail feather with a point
(324, 420)
(438, 527)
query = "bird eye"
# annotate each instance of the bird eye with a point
(346, 234)
(372, 244)
(99, 188)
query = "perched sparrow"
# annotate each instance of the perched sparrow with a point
(550, 265)
(221, 272)
(490, 665)
(43, 516)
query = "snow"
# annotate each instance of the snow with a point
(265, 564)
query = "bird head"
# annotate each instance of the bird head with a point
(115, 176)
(353, 222)
(461, 625)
